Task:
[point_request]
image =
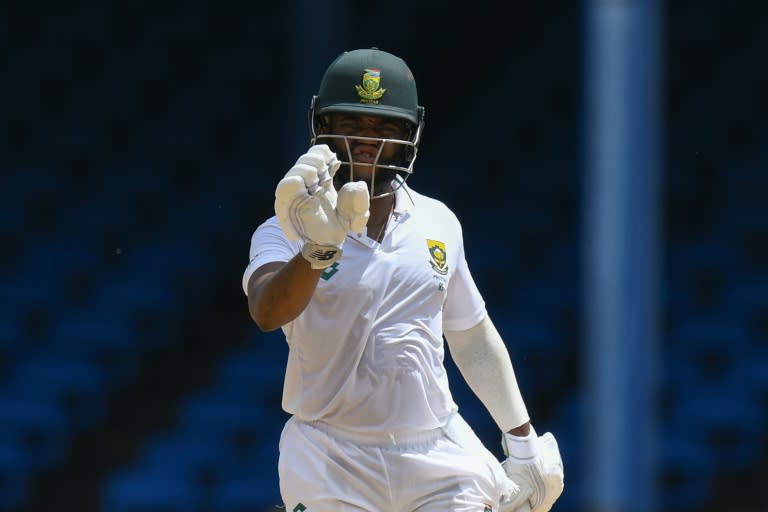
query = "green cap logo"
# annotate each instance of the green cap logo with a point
(371, 90)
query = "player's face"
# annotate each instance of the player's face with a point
(362, 145)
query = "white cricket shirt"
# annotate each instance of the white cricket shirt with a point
(367, 353)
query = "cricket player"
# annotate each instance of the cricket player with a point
(366, 277)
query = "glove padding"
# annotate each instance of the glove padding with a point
(514, 498)
(506, 506)
(308, 207)
(535, 462)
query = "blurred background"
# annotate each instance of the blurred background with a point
(140, 145)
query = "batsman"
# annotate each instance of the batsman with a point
(367, 278)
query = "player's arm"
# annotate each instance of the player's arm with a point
(532, 462)
(483, 360)
(279, 291)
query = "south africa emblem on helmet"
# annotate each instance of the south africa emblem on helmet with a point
(437, 256)
(370, 91)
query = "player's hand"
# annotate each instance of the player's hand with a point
(308, 207)
(535, 462)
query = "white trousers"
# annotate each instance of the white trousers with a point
(325, 469)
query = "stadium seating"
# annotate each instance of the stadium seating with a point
(225, 438)
(14, 474)
(159, 491)
(136, 147)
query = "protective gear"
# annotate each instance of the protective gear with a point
(534, 462)
(308, 207)
(512, 506)
(370, 82)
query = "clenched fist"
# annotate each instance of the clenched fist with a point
(308, 207)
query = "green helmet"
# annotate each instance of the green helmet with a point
(371, 82)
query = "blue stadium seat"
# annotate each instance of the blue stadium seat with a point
(202, 455)
(748, 295)
(26, 181)
(751, 372)
(740, 219)
(725, 422)
(215, 411)
(138, 490)
(14, 475)
(12, 208)
(258, 374)
(77, 386)
(159, 140)
(166, 258)
(130, 181)
(246, 491)
(63, 255)
(31, 302)
(12, 342)
(30, 289)
(552, 294)
(684, 372)
(99, 217)
(104, 337)
(133, 294)
(688, 472)
(39, 427)
(743, 175)
(698, 333)
(701, 254)
(210, 216)
(676, 299)
(534, 334)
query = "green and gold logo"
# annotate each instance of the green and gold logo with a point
(437, 256)
(370, 91)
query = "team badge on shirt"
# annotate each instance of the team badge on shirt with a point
(437, 256)
(371, 90)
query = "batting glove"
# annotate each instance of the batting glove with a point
(308, 207)
(534, 462)
(514, 498)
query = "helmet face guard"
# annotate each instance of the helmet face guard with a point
(386, 176)
(375, 83)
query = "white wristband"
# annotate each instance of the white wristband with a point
(522, 448)
(320, 256)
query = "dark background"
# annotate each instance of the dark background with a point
(139, 148)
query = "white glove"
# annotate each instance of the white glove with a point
(507, 507)
(535, 462)
(308, 207)
(514, 499)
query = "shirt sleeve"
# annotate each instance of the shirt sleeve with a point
(464, 305)
(268, 244)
